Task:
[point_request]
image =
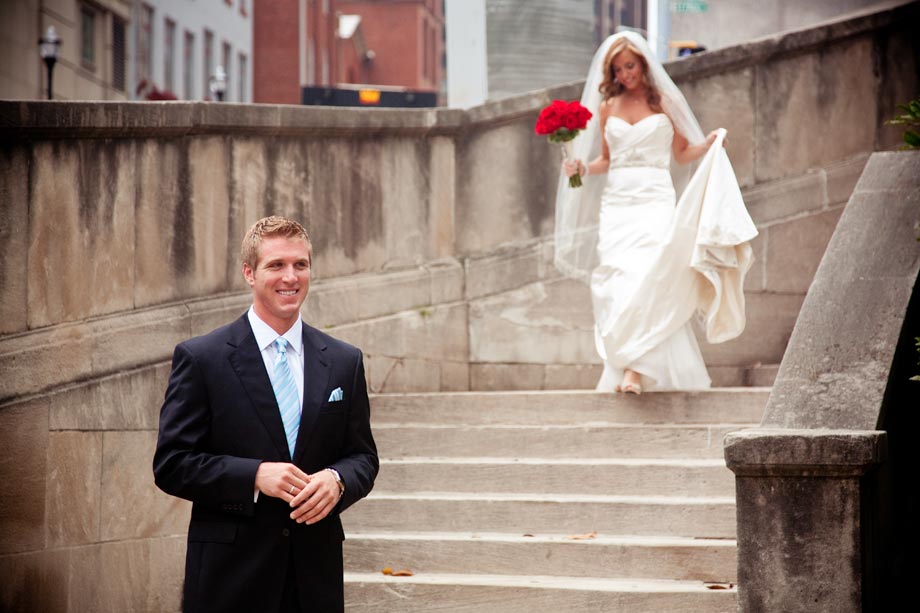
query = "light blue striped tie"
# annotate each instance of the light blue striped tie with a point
(286, 393)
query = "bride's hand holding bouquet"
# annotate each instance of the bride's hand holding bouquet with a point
(560, 122)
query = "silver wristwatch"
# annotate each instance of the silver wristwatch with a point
(338, 479)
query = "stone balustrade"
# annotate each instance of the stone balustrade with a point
(121, 224)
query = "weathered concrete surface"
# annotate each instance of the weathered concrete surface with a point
(843, 344)
(548, 322)
(24, 462)
(14, 240)
(821, 489)
(391, 188)
(800, 516)
(85, 344)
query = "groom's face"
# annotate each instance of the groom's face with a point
(280, 280)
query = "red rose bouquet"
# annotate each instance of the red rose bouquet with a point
(560, 122)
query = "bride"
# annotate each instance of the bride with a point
(652, 260)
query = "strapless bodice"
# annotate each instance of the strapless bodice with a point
(646, 143)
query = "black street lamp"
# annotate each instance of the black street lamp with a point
(218, 83)
(48, 48)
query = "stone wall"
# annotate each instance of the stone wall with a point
(826, 487)
(120, 225)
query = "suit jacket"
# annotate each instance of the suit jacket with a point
(219, 421)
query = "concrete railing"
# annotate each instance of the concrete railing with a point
(826, 487)
(121, 223)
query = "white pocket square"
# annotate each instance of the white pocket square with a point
(336, 395)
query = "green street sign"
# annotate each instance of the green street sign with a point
(689, 6)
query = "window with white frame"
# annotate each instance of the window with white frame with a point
(118, 53)
(208, 62)
(88, 37)
(144, 62)
(242, 64)
(188, 66)
(169, 55)
(225, 58)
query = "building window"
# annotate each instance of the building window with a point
(169, 55)
(118, 53)
(88, 37)
(225, 59)
(424, 37)
(188, 67)
(242, 67)
(208, 62)
(145, 45)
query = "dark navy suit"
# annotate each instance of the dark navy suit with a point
(219, 421)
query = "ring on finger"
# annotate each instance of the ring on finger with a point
(291, 491)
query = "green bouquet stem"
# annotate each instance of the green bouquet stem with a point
(564, 138)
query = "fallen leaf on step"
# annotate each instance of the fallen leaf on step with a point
(387, 571)
(582, 537)
(397, 573)
(529, 535)
(719, 586)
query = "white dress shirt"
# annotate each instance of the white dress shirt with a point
(265, 339)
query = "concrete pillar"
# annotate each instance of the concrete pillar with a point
(804, 509)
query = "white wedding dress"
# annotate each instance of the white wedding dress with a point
(661, 261)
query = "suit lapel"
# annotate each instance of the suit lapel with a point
(316, 368)
(246, 360)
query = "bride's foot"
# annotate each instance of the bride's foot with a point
(631, 383)
(632, 388)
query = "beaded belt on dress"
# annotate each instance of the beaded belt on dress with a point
(635, 163)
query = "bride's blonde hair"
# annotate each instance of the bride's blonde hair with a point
(610, 87)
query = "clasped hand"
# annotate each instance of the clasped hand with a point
(311, 496)
(573, 168)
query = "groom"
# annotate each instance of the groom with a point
(266, 429)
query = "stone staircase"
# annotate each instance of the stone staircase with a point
(554, 500)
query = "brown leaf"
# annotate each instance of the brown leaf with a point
(719, 586)
(529, 535)
(582, 537)
(387, 571)
(403, 573)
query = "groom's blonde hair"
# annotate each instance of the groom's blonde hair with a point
(269, 227)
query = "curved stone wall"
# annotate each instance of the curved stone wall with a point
(120, 224)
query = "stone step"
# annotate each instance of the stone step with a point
(711, 517)
(551, 322)
(625, 557)
(496, 376)
(566, 407)
(759, 375)
(620, 476)
(374, 592)
(579, 441)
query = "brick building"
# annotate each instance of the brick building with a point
(294, 44)
(324, 43)
(407, 40)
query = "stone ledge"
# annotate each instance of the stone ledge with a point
(788, 43)
(835, 371)
(20, 119)
(34, 362)
(509, 268)
(769, 452)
